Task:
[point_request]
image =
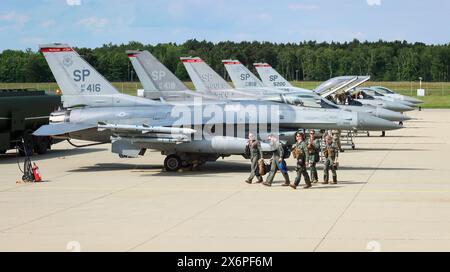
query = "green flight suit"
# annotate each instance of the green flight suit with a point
(277, 154)
(331, 152)
(255, 155)
(314, 157)
(302, 159)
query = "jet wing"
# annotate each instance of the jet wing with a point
(61, 129)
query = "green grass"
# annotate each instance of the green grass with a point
(437, 93)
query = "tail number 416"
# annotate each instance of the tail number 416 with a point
(81, 76)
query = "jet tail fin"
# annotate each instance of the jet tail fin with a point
(80, 83)
(270, 77)
(242, 77)
(203, 76)
(153, 75)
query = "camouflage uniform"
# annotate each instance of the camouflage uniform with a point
(314, 157)
(302, 159)
(255, 155)
(277, 154)
(331, 152)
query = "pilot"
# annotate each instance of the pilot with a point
(254, 146)
(337, 139)
(313, 155)
(330, 152)
(300, 153)
(277, 159)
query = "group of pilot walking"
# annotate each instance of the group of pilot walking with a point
(305, 151)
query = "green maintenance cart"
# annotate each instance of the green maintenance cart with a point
(21, 113)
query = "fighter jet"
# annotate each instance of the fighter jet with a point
(203, 75)
(186, 134)
(378, 95)
(370, 97)
(388, 92)
(241, 76)
(150, 70)
(343, 84)
(153, 73)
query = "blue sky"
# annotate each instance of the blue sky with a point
(91, 23)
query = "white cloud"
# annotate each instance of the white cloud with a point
(14, 19)
(48, 23)
(93, 22)
(73, 2)
(300, 6)
(374, 2)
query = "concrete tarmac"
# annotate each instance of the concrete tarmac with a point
(393, 195)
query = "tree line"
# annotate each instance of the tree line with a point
(383, 61)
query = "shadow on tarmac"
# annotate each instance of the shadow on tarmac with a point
(390, 149)
(208, 168)
(383, 168)
(212, 168)
(52, 154)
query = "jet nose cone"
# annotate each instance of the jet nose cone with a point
(413, 100)
(372, 123)
(398, 107)
(392, 115)
(408, 103)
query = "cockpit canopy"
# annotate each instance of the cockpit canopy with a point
(383, 90)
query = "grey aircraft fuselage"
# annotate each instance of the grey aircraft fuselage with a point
(389, 93)
(375, 93)
(288, 118)
(378, 101)
(377, 111)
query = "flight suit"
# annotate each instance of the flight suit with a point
(330, 153)
(255, 155)
(302, 159)
(314, 157)
(337, 139)
(277, 154)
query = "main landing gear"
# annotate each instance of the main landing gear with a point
(175, 162)
(172, 163)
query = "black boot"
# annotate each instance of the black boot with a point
(308, 185)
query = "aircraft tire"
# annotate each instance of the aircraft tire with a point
(172, 163)
(40, 145)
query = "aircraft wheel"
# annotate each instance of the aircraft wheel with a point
(40, 145)
(172, 163)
